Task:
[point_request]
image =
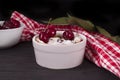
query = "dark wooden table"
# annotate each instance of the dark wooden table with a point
(18, 63)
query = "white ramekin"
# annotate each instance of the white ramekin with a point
(10, 37)
(59, 56)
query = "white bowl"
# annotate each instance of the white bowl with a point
(59, 56)
(10, 37)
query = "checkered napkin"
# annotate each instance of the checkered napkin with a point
(100, 50)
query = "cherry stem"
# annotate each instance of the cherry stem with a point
(48, 22)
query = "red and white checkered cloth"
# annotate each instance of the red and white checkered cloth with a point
(100, 50)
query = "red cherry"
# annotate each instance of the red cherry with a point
(15, 23)
(44, 37)
(68, 35)
(51, 32)
(11, 23)
(7, 24)
(1, 27)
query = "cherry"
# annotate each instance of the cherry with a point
(7, 25)
(68, 35)
(11, 23)
(15, 23)
(1, 27)
(51, 32)
(46, 34)
(44, 37)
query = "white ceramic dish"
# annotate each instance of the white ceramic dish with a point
(10, 37)
(59, 56)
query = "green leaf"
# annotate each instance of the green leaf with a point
(60, 20)
(107, 34)
(86, 24)
(103, 31)
(116, 39)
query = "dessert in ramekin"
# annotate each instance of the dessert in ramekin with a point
(59, 53)
(10, 33)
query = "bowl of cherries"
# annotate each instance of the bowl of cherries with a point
(10, 32)
(59, 49)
